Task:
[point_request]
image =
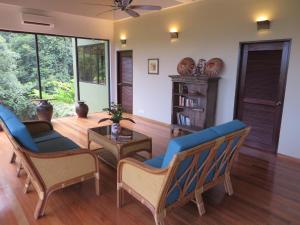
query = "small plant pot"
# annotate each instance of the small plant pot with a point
(82, 109)
(115, 128)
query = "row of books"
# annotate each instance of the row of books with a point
(183, 119)
(188, 102)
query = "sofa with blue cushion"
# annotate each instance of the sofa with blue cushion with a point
(50, 160)
(191, 165)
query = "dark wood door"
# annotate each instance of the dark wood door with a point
(125, 78)
(261, 89)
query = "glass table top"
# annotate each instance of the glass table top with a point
(124, 136)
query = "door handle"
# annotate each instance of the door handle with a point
(278, 103)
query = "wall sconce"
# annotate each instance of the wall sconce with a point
(263, 24)
(174, 33)
(123, 40)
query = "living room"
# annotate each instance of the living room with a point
(137, 56)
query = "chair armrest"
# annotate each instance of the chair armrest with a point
(142, 179)
(38, 126)
(62, 168)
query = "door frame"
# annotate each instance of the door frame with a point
(118, 72)
(239, 78)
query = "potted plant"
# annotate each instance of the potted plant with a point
(116, 112)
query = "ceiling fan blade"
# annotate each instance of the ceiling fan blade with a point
(132, 13)
(145, 7)
(107, 11)
(125, 2)
(97, 4)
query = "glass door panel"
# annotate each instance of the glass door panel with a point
(56, 57)
(93, 71)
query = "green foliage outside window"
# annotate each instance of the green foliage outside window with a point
(18, 73)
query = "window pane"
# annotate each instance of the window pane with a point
(92, 58)
(56, 56)
(93, 73)
(18, 73)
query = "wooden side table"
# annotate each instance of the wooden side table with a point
(116, 147)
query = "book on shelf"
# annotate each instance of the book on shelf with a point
(188, 102)
(183, 119)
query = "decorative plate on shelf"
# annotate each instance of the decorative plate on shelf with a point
(213, 67)
(186, 66)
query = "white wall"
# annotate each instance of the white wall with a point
(212, 28)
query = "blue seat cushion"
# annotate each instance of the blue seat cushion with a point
(19, 131)
(156, 161)
(56, 145)
(185, 142)
(46, 136)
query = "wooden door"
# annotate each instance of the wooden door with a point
(261, 89)
(125, 78)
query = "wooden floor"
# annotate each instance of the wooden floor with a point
(267, 190)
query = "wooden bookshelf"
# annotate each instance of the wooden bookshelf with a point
(194, 101)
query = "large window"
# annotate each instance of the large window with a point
(34, 66)
(92, 59)
(18, 73)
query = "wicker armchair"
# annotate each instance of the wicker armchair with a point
(191, 165)
(47, 165)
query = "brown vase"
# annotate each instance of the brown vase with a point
(44, 110)
(82, 109)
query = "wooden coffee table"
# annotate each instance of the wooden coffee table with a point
(116, 147)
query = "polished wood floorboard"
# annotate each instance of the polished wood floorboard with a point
(267, 190)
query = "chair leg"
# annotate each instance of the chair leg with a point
(41, 206)
(200, 203)
(120, 197)
(159, 219)
(228, 185)
(97, 184)
(13, 158)
(27, 185)
(19, 168)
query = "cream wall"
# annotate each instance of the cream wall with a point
(211, 28)
(65, 24)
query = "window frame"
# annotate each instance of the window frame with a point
(76, 55)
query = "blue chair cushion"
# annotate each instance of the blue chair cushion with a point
(229, 127)
(46, 136)
(5, 113)
(56, 145)
(156, 161)
(19, 131)
(185, 142)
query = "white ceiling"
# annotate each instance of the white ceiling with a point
(79, 7)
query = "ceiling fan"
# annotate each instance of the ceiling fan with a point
(125, 6)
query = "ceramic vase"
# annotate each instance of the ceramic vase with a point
(82, 109)
(115, 128)
(44, 110)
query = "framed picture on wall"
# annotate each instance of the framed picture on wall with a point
(153, 66)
